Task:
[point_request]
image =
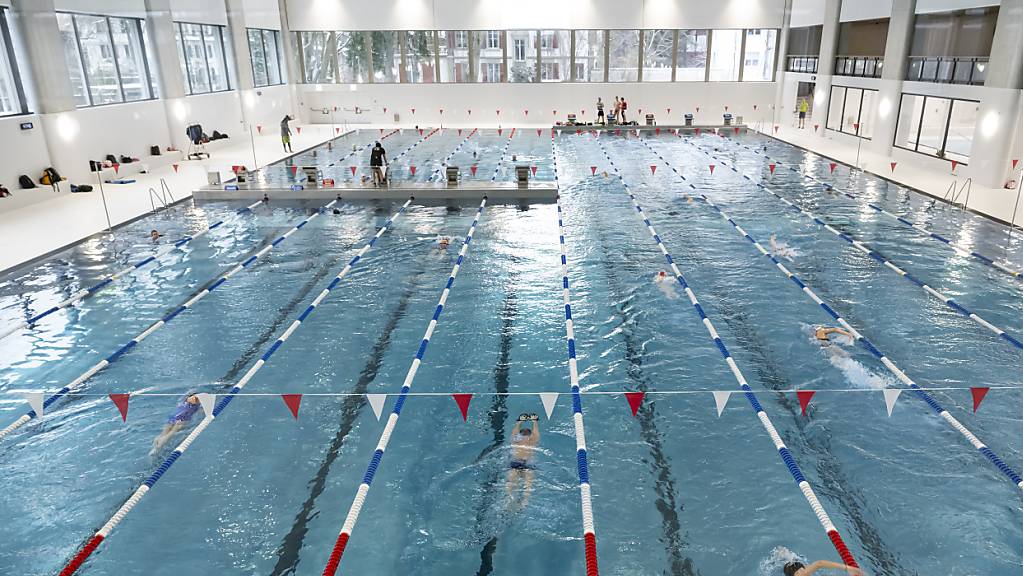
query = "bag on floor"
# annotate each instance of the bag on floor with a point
(154, 150)
(81, 188)
(25, 182)
(4, 192)
(126, 159)
(50, 177)
(111, 158)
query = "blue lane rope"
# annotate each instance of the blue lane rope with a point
(33, 321)
(859, 337)
(124, 349)
(863, 247)
(422, 139)
(901, 219)
(765, 421)
(392, 420)
(444, 163)
(500, 160)
(222, 404)
(582, 462)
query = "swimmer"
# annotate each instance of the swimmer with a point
(797, 568)
(182, 415)
(781, 249)
(154, 235)
(521, 469)
(604, 173)
(823, 334)
(666, 285)
(266, 199)
(443, 242)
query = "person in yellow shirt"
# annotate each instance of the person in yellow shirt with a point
(803, 109)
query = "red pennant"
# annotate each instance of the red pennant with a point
(618, 132)
(472, 169)
(772, 167)
(639, 110)
(954, 164)
(832, 165)
(711, 168)
(352, 168)
(463, 404)
(337, 130)
(726, 108)
(754, 107)
(635, 399)
(736, 130)
(121, 401)
(593, 170)
(657, 131)
(669, 110)
(175, 167)
(294, 170)
(117, 168)
(498, 112)
(697, 108)
(653, 169)
(856, 126)
(442, 111)
(420, 131)
(298, 129)
(893, 164)
(385, 109)
(1014, 162)
(697, 131)
(533, 168)
(555, 113)
(538, 132)
(335, 108)
(293, 401)
(499, 131)
(413, 111)
(815, 127)
(582, 112)
(412, 169)
(527, 112)
(578, 131)
(804, 398)
(259, 129)
(470, 112)
(978, 393)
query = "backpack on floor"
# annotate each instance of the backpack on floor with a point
(154, 150)
(50, 177)
(25, 182)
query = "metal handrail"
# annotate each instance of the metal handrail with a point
(165, 190)
(800, 63)
(860, 66)
(153, 194)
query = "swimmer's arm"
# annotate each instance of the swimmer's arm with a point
(845, 333)
(821, 564)
(535, 435)
(515, 430)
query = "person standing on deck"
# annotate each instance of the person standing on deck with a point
(286, 133)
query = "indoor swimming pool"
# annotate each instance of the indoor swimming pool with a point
(691, 483)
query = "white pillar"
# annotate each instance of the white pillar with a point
(782, 52)
(167, 67)
(826, 60)
(896, 52)
(293, 65)
(37, 23)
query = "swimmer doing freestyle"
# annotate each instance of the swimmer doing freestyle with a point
(182, 415)
(521, 469)
(797, 568)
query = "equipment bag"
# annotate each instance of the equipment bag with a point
(25, 182)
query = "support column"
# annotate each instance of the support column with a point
(248, 97)
(826, 62)
(37, 23)
(293, 65)
(167, 68)
(782, 64)
(1000, 103)
(896, 53)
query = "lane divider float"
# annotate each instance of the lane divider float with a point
(444, 163)
(504, 151)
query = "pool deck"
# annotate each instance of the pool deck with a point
(439, 192)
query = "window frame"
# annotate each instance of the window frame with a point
(920, 123)
(841, 114)
(266, 61)
(12, 62)
(222, 29)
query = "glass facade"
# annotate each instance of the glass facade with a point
(107, 59)
(850, 110)
(266, 56)
(204, 57)
(940, 127)
(12, 94)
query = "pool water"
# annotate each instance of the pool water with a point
(676, 489)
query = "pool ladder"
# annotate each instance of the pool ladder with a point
(954, 192)
(164, 196)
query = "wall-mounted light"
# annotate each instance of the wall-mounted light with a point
(180, 110)
(884, 108)
(67, 127)
(989, 124)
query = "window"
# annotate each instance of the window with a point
(204, 57)
(491, 72)
(691, 58)
(589, 56)
(658, 51)
(319, 63)
(522, 68)
(725, 55)
(12, 95)
(493, 38)
(850, 111)
(265, 53)
(487, 47)
(520, 49)
(386, 56)
(420, 65)
(453, 53)
(941, 127)
(555, 55)
(107, 60)
(759, 57)
(462, 39)
(350, 54)
(550, 72)
(623, 56)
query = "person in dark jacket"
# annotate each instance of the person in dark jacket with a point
(377, 161)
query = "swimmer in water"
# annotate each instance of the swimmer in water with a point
(823, 334)
(666, 284)
(781, 249)
(521, 469)
(797, 568)
(443, 242)
(154, 235)
(604, 173)
(182, 415)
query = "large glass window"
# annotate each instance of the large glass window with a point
(216, 57)
(941, 127)
(265, 54)
(658, 52)
(350, 52)
(319, 56)
(758, 59)
(691, 60)
(725, 55)
(523, 58)
(488, 45)
(453, 52)
(106, 58)
(589, 56)
(850, 111)
(623, 56)
(555, 55)
(12, 96)
(420, 63)
(386, 56)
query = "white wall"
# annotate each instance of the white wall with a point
(262, 14)
(133, 8)
(807, 13)
(24, 152)
(502, 14)
(200, 11)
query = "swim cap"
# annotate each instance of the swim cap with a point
(791, 568)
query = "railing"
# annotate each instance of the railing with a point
(947, 69)
(953, 193)
(807, 64)
(862, 66)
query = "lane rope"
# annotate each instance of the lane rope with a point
(765, 421)
(866, 249)
(94, 542)
(504, 151)
(582, 461)
(385, 437)
(859, 337)
(447, 159)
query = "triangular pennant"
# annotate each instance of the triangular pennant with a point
(657, 131)
(856, 127)
(527, 112)
(292, 401)
(639, 110)
(1014, 162)
(294, 170)
(463, 404)
(720, 400)
(697, 131)
(593, 170)
(121, 401)
(697, 108)
(469, 111)
(412, 169)
(775, 128)
(498, 112)
(669, 110)
(754, 107)
(381, 131)
(804, 398)
(653, 169)
(893, 164)
(978, 393)
(533, 168)
(206, 401)
(376, 402)
(736, 130)
(582, 112)
(618, 132)
(578, 131)
(472, 169)
(413, 111)
(337, 130)
(954, 164)
(117, 168)
(35, 401)
(175, 167)
(335, 108)
(548, 399)
(772, 167)
(635, 400)
(385, 109)
(499, 131)
(832, 165)
(726, 108)
(442, 111)
(353, 169)
(259, 129)
(711, 168)
(815, 127)
(298, 129)
(890, 396)
(420, 131)
(554, 112)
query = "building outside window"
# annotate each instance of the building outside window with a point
(266, 56)
(850, 110)
(691, 58)
(420, 61)
(386, 52)
(555, 55)
(658, 51)
(758, 65)
(522, 68)
(462, 39)
(204, 57)
(12, 93)
(107, 59)
(487, 47)
(453, 53)
(940, 127)
(589, 56)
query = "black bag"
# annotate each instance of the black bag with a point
(154, 150)
(81, 188)
(25, 182)
(126, 159)
(4, 192)
(112, 159)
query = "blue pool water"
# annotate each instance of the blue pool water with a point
(676, 489)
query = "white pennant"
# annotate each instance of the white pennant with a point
(35, 400)
(720, 399)
(548, 399)
(206, 401)
(376, 402)
(890, 395)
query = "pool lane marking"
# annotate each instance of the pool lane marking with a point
(444, 162)
(582, 461)
(765, 421)
(866, 249)
(93, 542)
(392, 420)
(107, 280)
(166, 319)
(859, 337)
(414, 144)
(504, 151)
(965, 252)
